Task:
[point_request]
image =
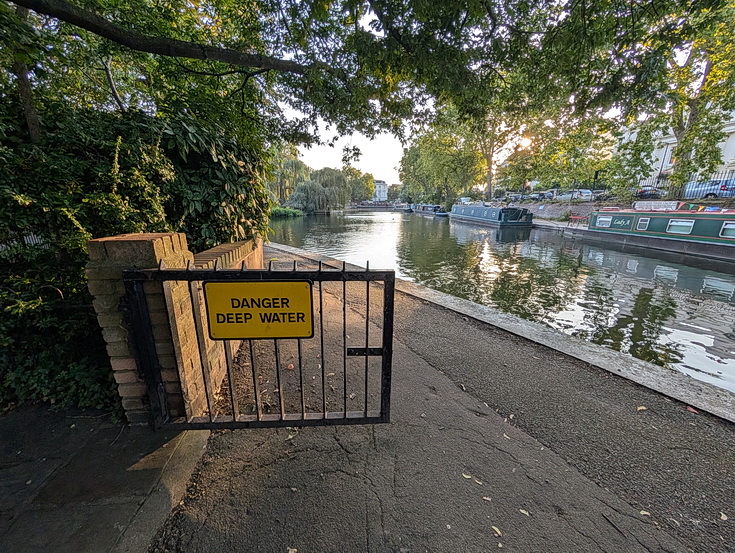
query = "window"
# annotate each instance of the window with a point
(728, 229)
(603, 221)
(680, 226)
(643, 223)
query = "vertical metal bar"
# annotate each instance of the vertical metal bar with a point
(344, 339)
(321, 345)
(367, 330)
(201, 347)
(145, 349)
(231, 380)
(388, 310)
(301, 382)
(278, 380)
(256, 385)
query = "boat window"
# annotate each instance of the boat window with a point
(472, 212)
(603, 221)
(643, 223)
(728, 229)
(680, 226)
(484, 213)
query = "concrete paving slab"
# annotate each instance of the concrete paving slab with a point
(448, 474)
(71, 480)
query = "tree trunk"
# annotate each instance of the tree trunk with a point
(489, 185)
(25, 90)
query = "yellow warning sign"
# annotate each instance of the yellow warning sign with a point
(263, 309)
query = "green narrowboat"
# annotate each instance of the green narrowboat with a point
(693, 230)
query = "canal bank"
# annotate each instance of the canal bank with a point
(495, 439)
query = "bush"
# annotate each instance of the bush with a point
(96, 174)
(285, 212)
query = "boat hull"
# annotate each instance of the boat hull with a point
(708, 234)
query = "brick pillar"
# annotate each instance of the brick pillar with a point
(109, 257)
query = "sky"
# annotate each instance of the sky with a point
(380, 157)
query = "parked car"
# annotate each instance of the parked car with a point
(715, 188)
(648, 192)
(582, 194)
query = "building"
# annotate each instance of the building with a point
(381, 191)
(663, 155)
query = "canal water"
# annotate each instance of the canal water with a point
(672, 315)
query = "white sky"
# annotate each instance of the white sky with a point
(380, 157)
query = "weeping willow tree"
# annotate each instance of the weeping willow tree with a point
(313, 197)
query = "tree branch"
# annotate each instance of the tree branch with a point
(113, 88)
(162, 46)
(25, 90)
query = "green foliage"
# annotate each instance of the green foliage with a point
(95, 174)
(311, 197)
(285, 212)
(288, 171)
(440, 165)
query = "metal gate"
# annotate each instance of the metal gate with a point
(339, 375)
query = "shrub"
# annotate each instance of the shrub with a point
(285, 212)
(96, 174)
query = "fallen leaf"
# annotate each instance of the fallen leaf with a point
(646, 513)
(500, 545)
(497, 530)
(294, 490)
(479, 482)
(486, 498)
(642, 408)
(290, 366)
(525, 512)
(723, 516)
(506, 436)
(466, 476)
(293, 550)
(692, 410)
(511, 416)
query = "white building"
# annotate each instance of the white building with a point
(664, 153)
(381, 191)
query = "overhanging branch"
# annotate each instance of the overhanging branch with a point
(90, 21)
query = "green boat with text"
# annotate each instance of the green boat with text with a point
(671, 226)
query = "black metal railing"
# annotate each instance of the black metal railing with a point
(716, 185)
(342, 375)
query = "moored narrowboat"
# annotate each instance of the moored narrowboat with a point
(672, 226)
(427, 209)
(504, 217)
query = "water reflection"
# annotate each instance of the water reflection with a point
(672, 315)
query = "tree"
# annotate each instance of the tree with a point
(691, 94)
(287, 173)
(361, 185)
(440, 164)
(565, 152)
(312, 197)
(327, 59)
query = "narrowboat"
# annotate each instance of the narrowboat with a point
(673, 226)
(503, 217)
(427, 209)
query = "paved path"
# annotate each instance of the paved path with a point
(494, 442)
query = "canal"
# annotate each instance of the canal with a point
(666, 313)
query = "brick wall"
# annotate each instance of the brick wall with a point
(175, 321)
